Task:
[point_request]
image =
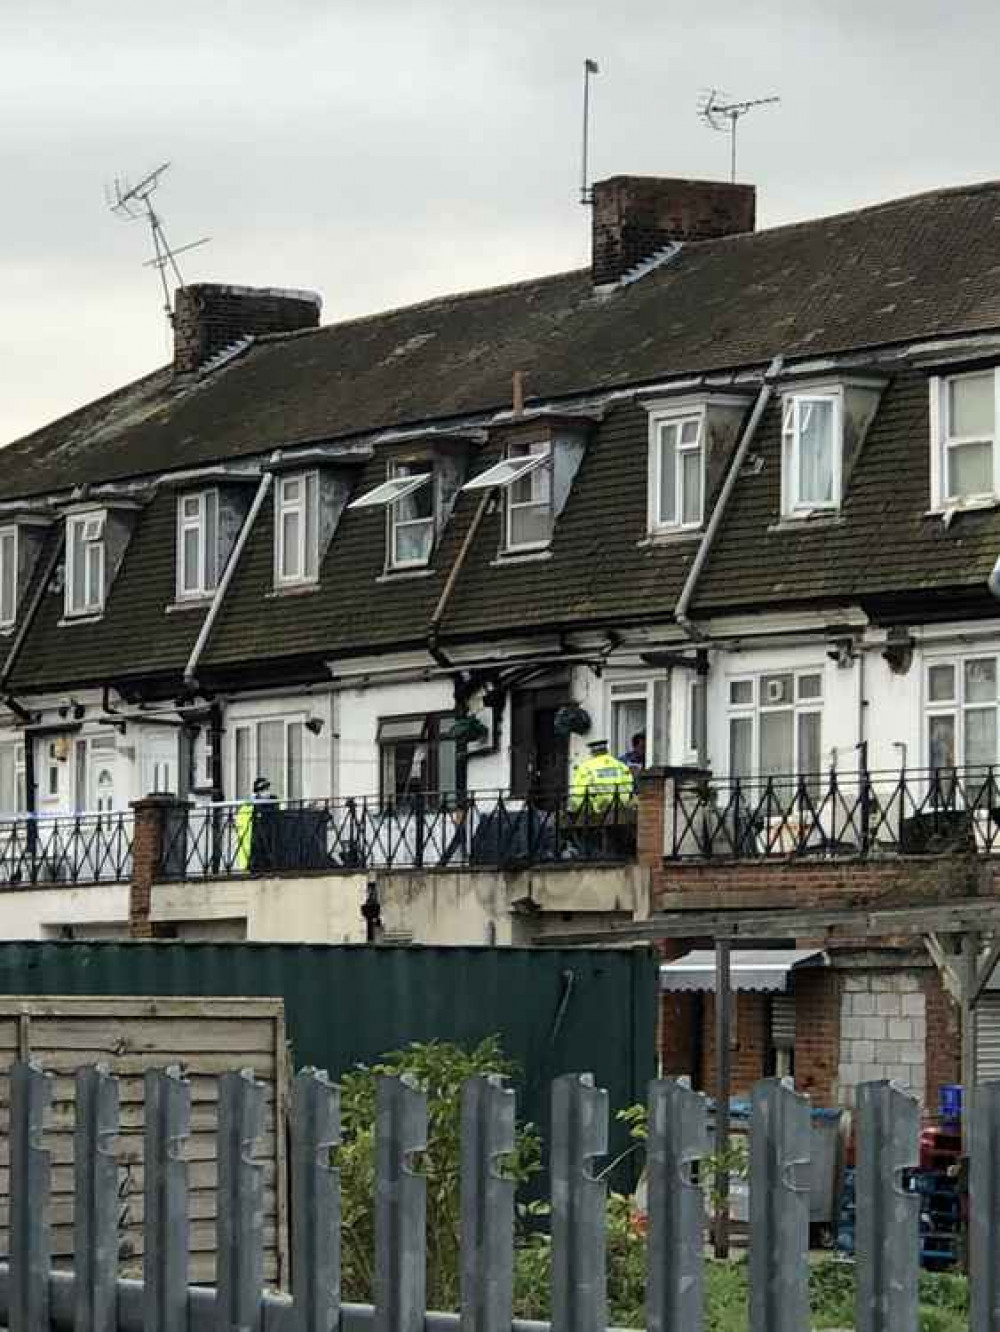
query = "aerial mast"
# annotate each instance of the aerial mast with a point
(720, 112)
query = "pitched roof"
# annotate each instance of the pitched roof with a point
(924, 266)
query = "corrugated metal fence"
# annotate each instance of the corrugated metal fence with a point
(554, 1010)
(93, 1299)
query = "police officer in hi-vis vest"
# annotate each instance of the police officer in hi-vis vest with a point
(600, 781)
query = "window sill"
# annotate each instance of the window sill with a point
(803, 522)
(671, 537)
(293, 589)
(91, 617)
(189, 604)
(949, 512)
(397, 575)
(521, 557)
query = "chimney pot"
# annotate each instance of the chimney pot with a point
(634, 216)
(210, 316)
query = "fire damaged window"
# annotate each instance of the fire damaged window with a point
(417, 757)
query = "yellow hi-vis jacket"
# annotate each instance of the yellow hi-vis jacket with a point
(600, 780)
(244, 834)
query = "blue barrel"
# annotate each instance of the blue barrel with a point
(950, 1099)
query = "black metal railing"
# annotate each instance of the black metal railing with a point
(40, 849)
(928, 812)
(488, 830)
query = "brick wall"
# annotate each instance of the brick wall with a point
(208, 317)
(817, 1032)
(634, 216)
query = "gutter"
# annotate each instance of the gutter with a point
(190, 676)
(715, 521)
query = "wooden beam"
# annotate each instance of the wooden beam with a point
(986, 970)
(944, 960)
(954, 917)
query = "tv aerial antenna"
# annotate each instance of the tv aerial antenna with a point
(720, 112)
(590, 68)
(134, 203)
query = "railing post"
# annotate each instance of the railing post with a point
(400, 1207)
(984, 1209)
(165, 1192)
(30, 1184)
(779, 1208)
(315, 1202)
(888, 1213)
(678, 1137)
(95, 1207)
(487, 1218)
(240, 1220)
(579, 1276)
(149, 841)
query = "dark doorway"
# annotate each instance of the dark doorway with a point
(539, 757)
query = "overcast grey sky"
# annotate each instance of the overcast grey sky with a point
(382, 151)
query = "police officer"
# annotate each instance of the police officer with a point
(600, 781)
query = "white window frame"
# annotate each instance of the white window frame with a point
(13, 752)
(541, 448)
(659, 421)
(208, 568)
(92, 527)
(9, 542)
(250, 727)
(792, 502)
(957, 706)
(654, 694)
(306, 569)
(942, 442)
(753, 710)
(398, 473)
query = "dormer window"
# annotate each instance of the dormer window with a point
(8, 576)
(529, 497)
(296, 529)
(812, 452)
(197, 544)
(411, 517)
(85, 563)
(677, 471)
(964, 465)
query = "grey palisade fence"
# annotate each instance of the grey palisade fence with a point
(92, 1298)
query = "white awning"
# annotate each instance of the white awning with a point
(750, 969)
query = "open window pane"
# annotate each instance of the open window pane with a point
(970, 469)
(389, 492)
(971, 407)
(816, 452)
(505, 473)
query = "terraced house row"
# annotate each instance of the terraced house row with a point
(736, 491)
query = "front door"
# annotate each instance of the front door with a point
(539, 756)
(96, 771)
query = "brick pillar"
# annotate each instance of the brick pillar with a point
(817, 1033)
(943, 1059)
(151, 819)
(655, 789)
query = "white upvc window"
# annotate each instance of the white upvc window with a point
(411, 517)
(812, 452)
(677, 471)
(197, 544)
(776, 724)
(85, 563)
(961, 712)
(638, 707)
(965, 444)
(528, 509)
(296, 529)
(8, 576)
(270, 748)
(13, 789)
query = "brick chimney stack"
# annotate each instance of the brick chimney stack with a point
(209, 317)
(635, 216)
